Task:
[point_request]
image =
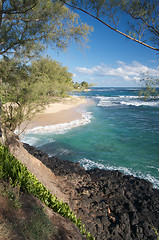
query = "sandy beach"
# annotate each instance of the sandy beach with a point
(66, 110)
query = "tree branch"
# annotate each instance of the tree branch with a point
(140, 18)
(18, 12)
(1, 7)
(20, 42)
(116, 30)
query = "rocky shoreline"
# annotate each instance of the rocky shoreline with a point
(112, 206)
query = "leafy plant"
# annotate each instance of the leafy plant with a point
(11, 168)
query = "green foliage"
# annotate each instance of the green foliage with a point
(149, 90)
(135, 19)
(26, 24)
(39, 227)
(11, 168)
(27, 27)
(13, 194)
(32, 225)
(25, 89)
(51, 77)
(15, 92)
(82, 86)
(156, 232)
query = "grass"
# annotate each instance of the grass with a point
(11, 168)
(12, 193)
(5, 231)
(38, 227)
(20, 220)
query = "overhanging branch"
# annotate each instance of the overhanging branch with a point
(116, 30)
(140, 18)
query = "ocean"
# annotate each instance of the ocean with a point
(117, 132)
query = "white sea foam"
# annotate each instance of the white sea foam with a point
(105, 89)
(89, 164)
(29, 140)
(35, 141)
(64, 151)
(125, 100)
(63, 127)
(140, 103)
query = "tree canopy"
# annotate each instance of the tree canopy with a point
(26, 89)
(141, 17)
(149, 87)
(26, 23)
(51, 78)
(82, 86)
(29, 26)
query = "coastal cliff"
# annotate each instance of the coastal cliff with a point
(111, 205)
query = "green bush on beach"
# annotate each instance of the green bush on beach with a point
(26, 89)
(11, 168)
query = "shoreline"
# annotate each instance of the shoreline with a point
(64, 111)
(110, 204)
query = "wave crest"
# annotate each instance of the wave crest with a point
(89, 164)
(125, 100)
(62, 127)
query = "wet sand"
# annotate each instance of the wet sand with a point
(55, 113)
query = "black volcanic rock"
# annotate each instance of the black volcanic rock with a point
(113, 206)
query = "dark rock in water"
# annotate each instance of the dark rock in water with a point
(58, 166)
(112, 206)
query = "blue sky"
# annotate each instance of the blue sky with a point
(111, 60)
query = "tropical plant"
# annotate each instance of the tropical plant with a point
(11, 168)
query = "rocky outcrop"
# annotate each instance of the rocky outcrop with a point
(111, 205)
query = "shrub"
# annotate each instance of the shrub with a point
(11, 168)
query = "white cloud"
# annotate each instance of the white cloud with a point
(126, 71)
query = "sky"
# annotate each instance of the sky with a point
(111, 59)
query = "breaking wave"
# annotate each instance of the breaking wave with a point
(62, 127)
(89, 164)
(125, 100)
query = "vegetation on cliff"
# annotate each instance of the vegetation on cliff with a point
(11, 168)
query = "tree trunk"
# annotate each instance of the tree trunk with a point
(1, 7)
(0, 120)
(0, 123)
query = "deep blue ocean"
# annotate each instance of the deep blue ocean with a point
(118, 132)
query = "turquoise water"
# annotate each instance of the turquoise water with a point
(119, 131)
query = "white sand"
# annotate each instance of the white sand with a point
(64, 104)
(60, 112)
